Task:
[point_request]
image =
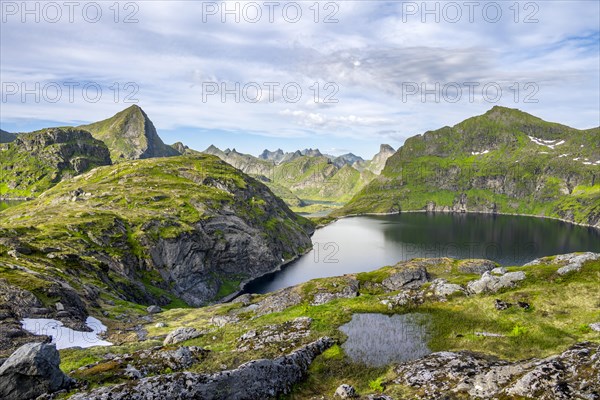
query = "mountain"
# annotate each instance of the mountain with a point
(130, 135)
(306, 180)
(36, 161)
(175, 230)
(6, 137)
(504, 161)
(377, 164)
(274, 156)
(349, 159)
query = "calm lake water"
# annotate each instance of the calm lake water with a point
(370, 242)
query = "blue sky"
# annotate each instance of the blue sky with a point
(373, 57)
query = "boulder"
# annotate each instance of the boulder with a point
(441, 288)
(491, 283)
(410, 277)
(345, 391)
(32, 370)
(154, 309)
(476, 266)
(180, 335)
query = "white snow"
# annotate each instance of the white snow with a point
(548, 143)
(477, 153)
(562, 155)
(544, 152)
(587, 163)
(65, 337)
(576, 159)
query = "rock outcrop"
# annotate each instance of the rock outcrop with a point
(572, 374)
(36, 161)
(489, 283)
(31, 371)
(260, 379)
(406, 278)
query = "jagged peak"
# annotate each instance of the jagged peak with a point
(384, 148)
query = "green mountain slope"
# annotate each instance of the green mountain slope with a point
(36, 161)
(503, 161)
(310, 182)
(130, 135)
(6, 137)
(153, 231)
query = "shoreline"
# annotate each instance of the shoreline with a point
(277, 268)
(454, 212)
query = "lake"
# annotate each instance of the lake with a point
(367, 243)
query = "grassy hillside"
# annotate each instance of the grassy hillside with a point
(188, 227)
(36, 161)
(503, 161)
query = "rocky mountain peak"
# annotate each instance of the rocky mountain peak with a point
(130, 134)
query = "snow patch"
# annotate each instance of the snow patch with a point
(65, 337)
(548, 143)
(477, 153)
(562, 155)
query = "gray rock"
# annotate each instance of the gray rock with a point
(491, 283)
(345, 391)
(259, 379)
(410, 277)
(443, 289)
(499, 271)
(132, 372)
(278, 301)
(31, 371)
(160, 325)
(476, 266)
(348, 290)
(285, 336)
(595, 326)
(180, 335)
(154, 309)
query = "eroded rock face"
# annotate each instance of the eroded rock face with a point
(260, 379)
(278, 301)
(572, 374)
(31, 371)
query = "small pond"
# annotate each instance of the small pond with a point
(378, 339)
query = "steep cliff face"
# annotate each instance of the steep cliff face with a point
(130, 135)
(503, 161)
(155, 231)
(35, 161)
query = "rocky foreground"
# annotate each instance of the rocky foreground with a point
(528, 332)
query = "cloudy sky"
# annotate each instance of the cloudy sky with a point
(341, 76)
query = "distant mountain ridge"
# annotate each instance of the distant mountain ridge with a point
(305, 176)
(6, 137)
